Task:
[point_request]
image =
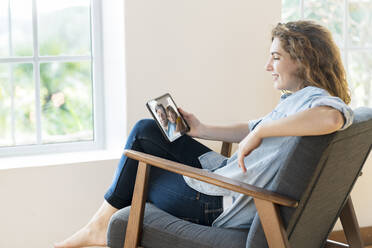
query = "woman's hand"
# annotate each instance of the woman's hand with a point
(196, 127)
(246, 146)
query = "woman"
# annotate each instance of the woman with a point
(305, 63)
(174, 118)
(168, 126)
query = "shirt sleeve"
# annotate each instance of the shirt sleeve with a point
(253, 123)
(207, 188)
(336, 103)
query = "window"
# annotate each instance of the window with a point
(350, 22)
(49, 50)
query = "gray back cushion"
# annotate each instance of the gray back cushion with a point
(320, 172)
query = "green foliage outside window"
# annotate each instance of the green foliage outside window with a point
(66, 99)
(65, 87)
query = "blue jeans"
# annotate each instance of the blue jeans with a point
(168, 191)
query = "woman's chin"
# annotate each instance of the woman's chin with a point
(277, 85)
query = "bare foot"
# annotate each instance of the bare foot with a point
(94, 233)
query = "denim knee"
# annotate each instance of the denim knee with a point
(145, 127)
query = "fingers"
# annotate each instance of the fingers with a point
(241, 163)
(183, 112)
(185, 115)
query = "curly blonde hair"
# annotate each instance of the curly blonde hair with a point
(313, 47)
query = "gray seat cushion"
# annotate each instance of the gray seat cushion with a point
(162, 230)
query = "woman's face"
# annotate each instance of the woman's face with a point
(172, 117)
(282, 68)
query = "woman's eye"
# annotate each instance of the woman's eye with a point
(276, 58)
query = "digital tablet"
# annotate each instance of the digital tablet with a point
(170, 121)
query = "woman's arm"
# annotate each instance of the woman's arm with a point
(232, 133)
(314, 121)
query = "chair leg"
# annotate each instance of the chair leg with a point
(134, 227)
(350, 225)
(272, 224)
(226, 149)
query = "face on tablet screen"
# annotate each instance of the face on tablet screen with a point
(168, 117)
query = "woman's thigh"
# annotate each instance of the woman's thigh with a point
(169, 192)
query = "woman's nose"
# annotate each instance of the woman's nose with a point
(269, 65)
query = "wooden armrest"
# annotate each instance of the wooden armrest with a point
(212, 178)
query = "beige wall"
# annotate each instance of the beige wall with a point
(42, 205)
(209, 54)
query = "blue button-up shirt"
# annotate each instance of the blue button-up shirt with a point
(262, 163)
(171, 129)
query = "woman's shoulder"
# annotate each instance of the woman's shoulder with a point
(304, 94)
(299, 100)
(313, 90)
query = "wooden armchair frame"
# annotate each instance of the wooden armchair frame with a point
(267, 202)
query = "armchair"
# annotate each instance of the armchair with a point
(297, 209)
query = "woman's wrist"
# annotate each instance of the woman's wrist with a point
(259, 131)
(202, 131)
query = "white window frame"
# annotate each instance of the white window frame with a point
(96, 57)
(346, 48)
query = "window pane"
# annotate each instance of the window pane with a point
(64, 27)
(360, 22)
(5, 107)
(22, 42)
(19, 78)
(328, 13)
(360, 64)
(290, 10)
(4, 29)
(67, 109)
(24, 104)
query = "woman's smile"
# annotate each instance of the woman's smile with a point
(275, 76)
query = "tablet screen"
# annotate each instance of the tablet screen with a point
(166, 115)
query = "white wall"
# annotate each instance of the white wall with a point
(209, 54)
(43, 205)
